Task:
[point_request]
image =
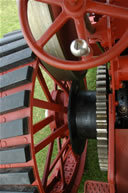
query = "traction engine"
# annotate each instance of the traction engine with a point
(45, 67)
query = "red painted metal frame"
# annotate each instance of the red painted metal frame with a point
(75, 11)
(118, 138)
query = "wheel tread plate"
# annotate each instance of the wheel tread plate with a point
(18, 188)
(12, 38)
(14, 128)
(15, 155)
(16, 59)
(16, 78)
(14, 102)
(17, 176)
(12, 33)
(12, 47)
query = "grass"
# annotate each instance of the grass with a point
(8, 16)
(8, 22)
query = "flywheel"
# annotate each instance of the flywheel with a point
(58, 45)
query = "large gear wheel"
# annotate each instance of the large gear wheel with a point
(101, 117)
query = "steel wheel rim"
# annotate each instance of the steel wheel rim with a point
(86, 63)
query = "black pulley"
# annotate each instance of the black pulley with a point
(81, 116)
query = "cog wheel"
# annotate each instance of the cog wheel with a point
(102, 117)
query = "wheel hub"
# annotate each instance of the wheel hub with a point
(81, 116)
(73, 5)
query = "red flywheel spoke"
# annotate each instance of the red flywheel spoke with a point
(108, 9)
(81, 28)
(57, 24)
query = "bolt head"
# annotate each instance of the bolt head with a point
(79, 47)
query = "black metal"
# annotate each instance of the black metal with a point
(13, 47)
(12, 38)
(14, 128)
(16, 78)
(14, 102)
(16, 59)
(18, 189)
(12, 33)
(17, 176)
(122, 108)
(81, 116)
(15, 155)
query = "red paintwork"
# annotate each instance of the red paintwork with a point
(121, 152)
(118, 138)
(75, 11)
(96, 187)
(109, 28)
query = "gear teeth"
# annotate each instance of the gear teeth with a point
(101, 97)
(101, 117)
(101, 71)
(101, 83)
(101, 77)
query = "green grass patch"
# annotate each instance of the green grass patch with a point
(9, 20)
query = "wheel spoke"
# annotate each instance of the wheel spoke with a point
(58, 132)
(52, 2)
(50, 106)
(56, 25)
(59, 155)
(108, 9)
(61, 162)
(81, 28)
(47, 165)
(44, 85)
(38, 126)
(60, 84)
(81, 31)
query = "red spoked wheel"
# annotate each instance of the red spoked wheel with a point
(35, 150)
(76, 10)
